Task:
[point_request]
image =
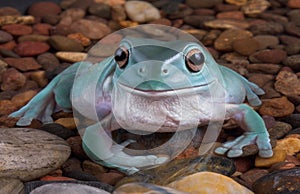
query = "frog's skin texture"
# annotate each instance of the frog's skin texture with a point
(127, 72)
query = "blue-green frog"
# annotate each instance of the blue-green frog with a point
(138, 86)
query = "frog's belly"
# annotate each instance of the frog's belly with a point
(159, 113)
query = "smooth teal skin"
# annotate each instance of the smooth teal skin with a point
(154, 70)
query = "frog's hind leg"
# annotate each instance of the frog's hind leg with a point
(256, 132)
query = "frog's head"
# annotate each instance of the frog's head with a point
(157, 66)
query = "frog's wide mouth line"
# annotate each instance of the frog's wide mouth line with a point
(168, 92)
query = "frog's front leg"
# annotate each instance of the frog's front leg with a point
(100, 147)
(256, 132)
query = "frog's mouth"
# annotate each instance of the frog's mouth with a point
(202, 88)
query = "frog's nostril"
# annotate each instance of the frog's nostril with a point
(141, 70)
(165, 71)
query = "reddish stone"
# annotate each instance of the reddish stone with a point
(23, 64)
(252, 175)
(243, 164)
(238, 15)
(269, 56)
(110, 177)
(41, 9)
(277, 107)
(12, 79)
(42, 29)
(21, 99)
(17, 29)
(55, 178)
(28, 48)
(7, 107)
(203, 11)
(9, 45)
(76, 147)
(294, 4)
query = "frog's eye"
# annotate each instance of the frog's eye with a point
(194, 60)
(121, 56)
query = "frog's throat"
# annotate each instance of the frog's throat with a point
(167, 93)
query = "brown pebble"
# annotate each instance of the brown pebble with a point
(252, 175)
(23, 64)
(12, 79)
(294, 4)
(76, 147)
(277, 107)
(7, 107)
(30, 48)
(39, 77)
(80, 38)
(245, 46)
(21, 99)
(275, 56)
(68, 123)
(9, 45)
(41, 9)
(287, 83)
(238, 15)
(42, 29)
(110, 177)
(17, 29)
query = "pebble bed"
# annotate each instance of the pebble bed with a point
(259, 39)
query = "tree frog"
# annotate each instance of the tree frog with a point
(137, 86)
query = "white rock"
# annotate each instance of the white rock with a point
(141, 11)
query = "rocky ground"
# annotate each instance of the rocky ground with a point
(259, 39)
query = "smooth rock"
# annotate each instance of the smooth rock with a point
(118, 13)
(48, 61)
(278, 156)
(68, 123)
(93, 168)
(71, 164)
(294, 4)
(266, 41)
(33, 37)
(255, 7)
(73, 13)
(9, 11)
(71, 56)
(284, 181)
(287, 83)
(23, 64)
(294, 16)
(58, 130)
(293, 62)
(62, 43)
(41, 9)
(266, 28)
(290, 145)
(8, 46)
(195, 4)
(279, 129)
(208, 182)
(238, 15)
(5, 20)
(27, 153)
(176, 169)
(30, 48)
(21, 99)
(17, 29)
(110, 178)
(197, 20)
(76, 147)
(139, 188)
(11, 186)
(39, 77)
(5, 37)
(80, 175)
(7, 107)
(263, 68)
(62, 188)
(239, 46)
(225, 40)
(101, 10)
(42, 29)
(83, 40)
(227, 24)
(260, 79)
(12, 79)
(277, 107)
(90, 29)
(275, 56)
(141, 11)
(252, 175)
(236, 2)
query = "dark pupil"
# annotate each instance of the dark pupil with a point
(196, 59)
(120, 55)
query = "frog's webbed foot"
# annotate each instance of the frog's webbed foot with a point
(256, 132)
(235, 147)
(100, 147)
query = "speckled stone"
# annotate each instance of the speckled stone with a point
(11, 186)
(31, 48)
(62, 43)
(277, 107)
(90, 29)
(278, 156)
(12, 79)
(290, 145)
(5, 37)
(17, 29)
(23, 64)
(274, 56)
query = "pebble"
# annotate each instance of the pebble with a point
(238, 15)
(294, 4)
(290, 145)
(7, 107)
(139, 188)
(17, 29)
(278, 156)
(41, 29)
(253, 175)
(118, 13)
(80, 38)
(62, 188)
(73, 13)
(68, 123)
(279, 129)
(277, 107)
(72, 57)
(5, 37)
(76, 147)
(6, 20)
(141, 11)
(237, 2)
(293, 119)
(58, 130)
(225, 40)
(208, 182)
(93, 168)
(283, 181)
(266, 41)
(72, 164)
(239, 46)
(30, 48)
(8, 46)
(41, 9)
(195, 4)
(263, 68)
(9, 185)
(39, 77)
(197, 20)
(266, 28)
(5, 11)
(101, 10)
(227, 24)
(90, 29)
(23, 64)
(48, 61)
(287, 83)
(33, 38)
(12, 79)
(255, 7)
(293, 62)
(260, 79)
(80, 175)
(28, 158)
(21, 99)
(62, 43)
(275, 56)
(111, 178)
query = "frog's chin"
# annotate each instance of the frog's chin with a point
(169, 92)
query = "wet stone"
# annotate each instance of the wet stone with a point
(9, 185)
(62, 43)
(23, 64)
(30, 48)
(277, 107)
(5, 37)
(141, 11)
(287, 83)
(284, 181)
(19, 153)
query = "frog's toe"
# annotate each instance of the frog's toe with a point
(221, 150)
(264, 146)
